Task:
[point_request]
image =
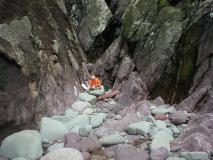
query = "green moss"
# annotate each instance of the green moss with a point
(128, 21)
(162, 3)
(171, 14)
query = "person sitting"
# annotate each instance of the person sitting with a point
(94, 83)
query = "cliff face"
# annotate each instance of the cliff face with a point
(164, 40)
(39, 61)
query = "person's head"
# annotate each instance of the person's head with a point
(93, 77)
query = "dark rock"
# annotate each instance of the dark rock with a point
(160, 154)
(178, 117)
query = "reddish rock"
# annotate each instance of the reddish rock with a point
(109, 95)
(2, 158)
(85, 144)
(161, 153)
(143, 108)
(86, 156)
(197, 142)
(127, 152)
(190, 103)
(161, 117)
(89, 144)
(72, 140)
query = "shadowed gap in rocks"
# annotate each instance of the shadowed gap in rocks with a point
(15, 103)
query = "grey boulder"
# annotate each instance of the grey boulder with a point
(26, 144)
(63, 154)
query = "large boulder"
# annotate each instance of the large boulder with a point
(26, 144)
(71, 113)
(143, 108)
(178, 117)
(142, 128)
(97, 120)
(112, 139)
(127, 152)
(85, 144)
(52, 130)
(19, 158)
(97, 92)
(161, 139)
(87, 98)
(160, 154)
(89, 144)
(194, 155)
(80, 120)
(161, 110)
(63, 154)
(62, 119)
(132, 90)
(55, 147)
(72, 140)
(80, 106)
(94, 23)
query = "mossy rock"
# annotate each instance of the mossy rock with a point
(171, 14)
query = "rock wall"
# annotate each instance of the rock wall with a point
(162, 38)
(40, 61)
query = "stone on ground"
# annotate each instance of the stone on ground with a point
(161, 139)
(142, 128)
(71, 113)
(160, 124)
(194, 155)
(85, 131)
(86, 156)
(63, 154)
(89, 144)
(55, 147)
(162, 110)
(52, 130)
(85, 97)
(161, 117)
(127, 152)
(178, 117)
(80, 106)
(97, 120)
(63, 119)
(26, 144)
(112, 140)
(80, 120)
(98, 92)
(161, 153)
(72, 140)
(88, 111)
(175, 158)
(19, 158)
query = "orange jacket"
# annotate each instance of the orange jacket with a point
(93, 83)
